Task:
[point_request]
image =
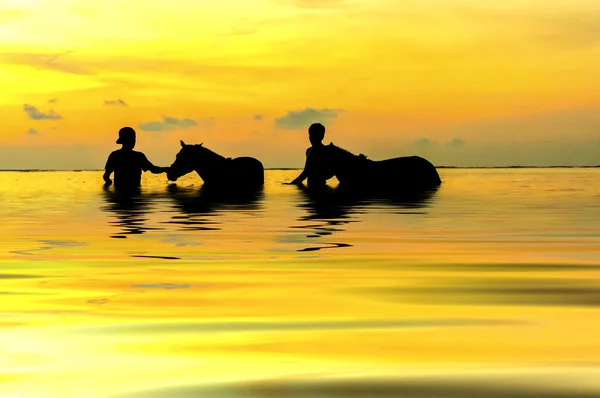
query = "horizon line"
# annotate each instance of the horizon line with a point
(299, 168)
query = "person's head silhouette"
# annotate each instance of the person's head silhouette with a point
(316, 133)
(127, 138)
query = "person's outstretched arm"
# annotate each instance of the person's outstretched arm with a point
(156, 169)
(148, 166)
(304, 175)
(298, 180)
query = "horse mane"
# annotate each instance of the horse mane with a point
(347, 152)
(209, 152)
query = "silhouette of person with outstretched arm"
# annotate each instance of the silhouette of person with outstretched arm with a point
(314, 169)
(128, 164)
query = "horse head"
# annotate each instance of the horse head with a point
(184, 162)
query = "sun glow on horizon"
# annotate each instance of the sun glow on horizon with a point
(401, 72)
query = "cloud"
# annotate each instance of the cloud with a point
(457, 142)
(119, 102)
(304, 118)
(32, 132)
(167, 124)
(48, 61)
(258, 117)
(423, 143)
(429, 144)
(207, 122)
(35, 114)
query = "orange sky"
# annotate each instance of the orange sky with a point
(462, 82)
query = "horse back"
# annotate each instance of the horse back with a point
(248, 170)
(414, 171)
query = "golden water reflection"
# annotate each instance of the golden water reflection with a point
(488, 288)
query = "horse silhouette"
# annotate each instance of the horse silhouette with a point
(402, 174)
(216, 170)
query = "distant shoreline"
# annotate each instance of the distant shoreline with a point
(286, 168)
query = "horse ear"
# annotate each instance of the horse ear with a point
(182, 143)
(201, 143)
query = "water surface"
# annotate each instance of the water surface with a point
(488, 288)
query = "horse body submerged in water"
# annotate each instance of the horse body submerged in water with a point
(216, 170)
(402, 174)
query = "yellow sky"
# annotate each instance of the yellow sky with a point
(399, 71)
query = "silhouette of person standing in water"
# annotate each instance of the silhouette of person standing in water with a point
(315, 168)
(128, 164)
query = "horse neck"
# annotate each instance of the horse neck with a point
(347, 164)
(345, 159)
(208, 164)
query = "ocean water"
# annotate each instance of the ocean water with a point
(490, 287)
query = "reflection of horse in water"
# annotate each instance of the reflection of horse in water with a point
(340, 203)
(334, 207)
(217, 171)
(195, 206)
(402, 174)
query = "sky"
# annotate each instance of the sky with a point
(460, 82)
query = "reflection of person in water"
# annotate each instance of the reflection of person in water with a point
(327, 212)
(128, 164)
(327, 203)
(130, 208)
(315, 169)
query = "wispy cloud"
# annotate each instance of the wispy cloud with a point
(35, 114)
(168, 124)
(423, 143)
(51, 61)
(32, 132)
(426, 143)
(457, 142)
(118, 102)
(207, 122)
(241, 31)
(304, 118)
(258, 117)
